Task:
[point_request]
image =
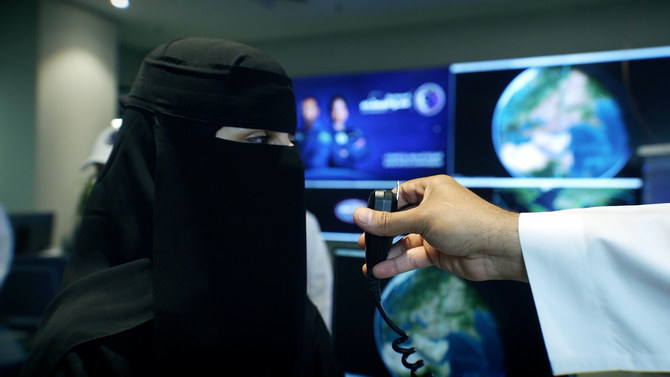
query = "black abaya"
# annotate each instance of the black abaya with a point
(190, 256)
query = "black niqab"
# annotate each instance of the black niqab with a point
(199, 239)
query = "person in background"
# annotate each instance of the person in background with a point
(600, 276)
(312, 137)
(100, 152)
(92, 166)
(349, 143)
(319, 270)
(190, 256)
(313, 141)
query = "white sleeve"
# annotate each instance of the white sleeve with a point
(319, 270)
(600, 279)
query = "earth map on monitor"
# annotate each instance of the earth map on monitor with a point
(559, 122)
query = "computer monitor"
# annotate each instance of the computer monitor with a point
(513, 339)
(353, 315)
(556, 132)
(373, 126)
(577, 117)
(655, 173)
(32, 231)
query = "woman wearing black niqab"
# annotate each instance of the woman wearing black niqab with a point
(190, 256)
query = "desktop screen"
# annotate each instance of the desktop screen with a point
(558, 132)
(568, 116)
(458, 327)
(373, 126)
(32, 231)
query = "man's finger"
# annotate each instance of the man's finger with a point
(384, 223)
(412, 259)
(410, 241)
(411, 192)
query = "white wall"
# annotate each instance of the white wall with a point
(76, 97)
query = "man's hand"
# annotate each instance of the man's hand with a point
(449, 227)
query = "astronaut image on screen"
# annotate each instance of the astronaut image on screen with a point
(349, 143)
(312, 137)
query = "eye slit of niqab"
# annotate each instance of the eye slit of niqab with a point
(254, 136)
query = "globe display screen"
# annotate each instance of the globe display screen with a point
(569, 116)
(558, 132)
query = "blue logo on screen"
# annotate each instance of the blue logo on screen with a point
(429, 99)
(344, 210)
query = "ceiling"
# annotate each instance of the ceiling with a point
(148, 23)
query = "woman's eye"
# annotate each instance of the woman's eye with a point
(259, 139)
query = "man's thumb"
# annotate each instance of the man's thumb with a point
(380, 223)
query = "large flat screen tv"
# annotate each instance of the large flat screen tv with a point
(576, 119)
(556, 132)
(369, 127)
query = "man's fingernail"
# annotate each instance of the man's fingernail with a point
(364, 216)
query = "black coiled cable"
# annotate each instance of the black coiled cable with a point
(374, 287)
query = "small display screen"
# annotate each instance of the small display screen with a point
(373, 126)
